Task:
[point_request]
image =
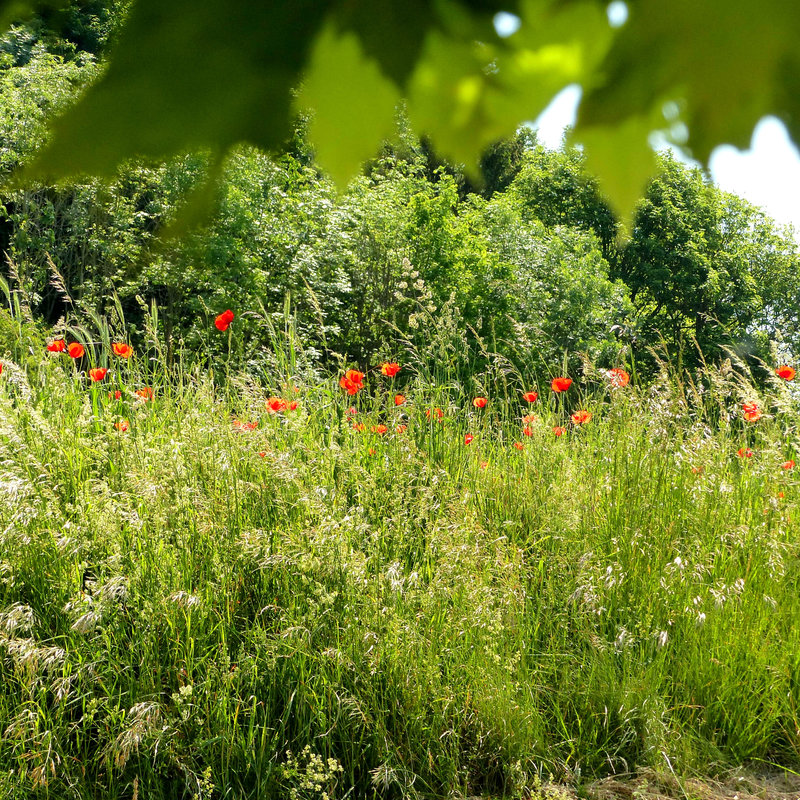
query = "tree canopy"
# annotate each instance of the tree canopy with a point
(189, 74)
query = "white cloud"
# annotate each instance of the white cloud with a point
(768, 174)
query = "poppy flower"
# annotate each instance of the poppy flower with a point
(293, 405)
(399, 399)
(527, 430)
(752, 413)
(697, 470)
(744, 452)
(75, 350)
(371, 451)
(530, 397)
(390, 368)
(484, 464)
(359, 426)
(98, 373)
(519, 445)
(480, 402)
(402, 428)
(122, 350)
(351, 412)
(559, 385)
(352, 381)
(262, 453)
(276, 404)
(468, 438)
(117, 395)
(244, 426)
(145, 394)
(224, 320)
(786, 372)
(381, 429)
(788, 464)
(57, 346)
(437, 412)
(559, 431)
(528, 418)
(580, 417)
(122, 425)
(618, 377)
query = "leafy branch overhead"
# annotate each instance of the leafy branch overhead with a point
(188, 74)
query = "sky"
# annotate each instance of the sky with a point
(768, 174)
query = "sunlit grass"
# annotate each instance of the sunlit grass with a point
(184, 602)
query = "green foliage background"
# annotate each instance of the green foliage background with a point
(526, 258)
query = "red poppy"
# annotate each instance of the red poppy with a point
(351, 412)
(788, 464)
(224, 320)
(437, 412)
(399, 399)
(371, 451)
(145, 394)
(618, 377)
(580, 417)
(402, 428)
(98, 373)
(559, 385)
(262, 453)
(559, 431)
(752, 413)
(381, 429)
(390, 368)
(781, 495)
(117, 395)
(352, 381)
(519, 445)
(293, 405)
(244, 426)
(527, 430)
(359, 426)
(528, 418)
(468, 438)
(480, 402)
(276, 404)
(484, 464)
(75, 350)
(57, 346)
(697, 470)
(786, 372)
(530, 397)
(122, 350)
(122, 425)
(744, 452)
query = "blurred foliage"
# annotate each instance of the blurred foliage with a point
(189, 74)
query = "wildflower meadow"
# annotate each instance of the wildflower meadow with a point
(386, 579)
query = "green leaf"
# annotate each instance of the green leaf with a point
(390, 33)
(723, 61)
(188, 74)
(622, 160)
(466, 94)
(354, 104)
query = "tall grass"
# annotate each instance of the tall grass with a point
(189, 608)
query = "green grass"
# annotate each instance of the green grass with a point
(188, 609)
